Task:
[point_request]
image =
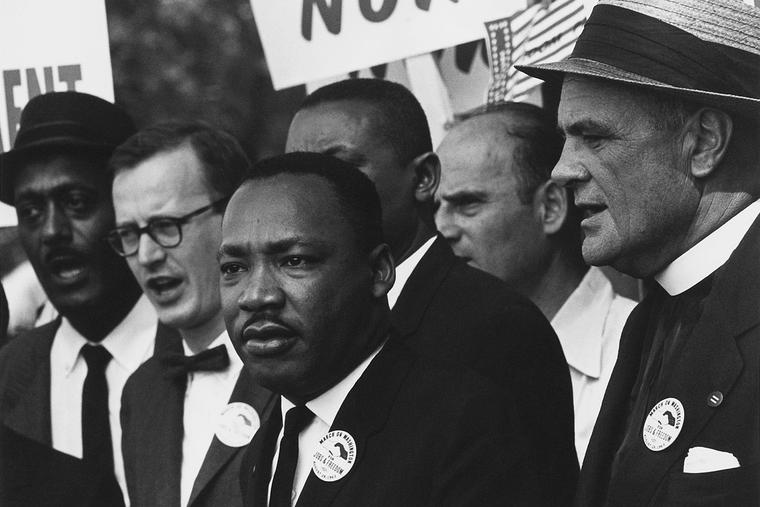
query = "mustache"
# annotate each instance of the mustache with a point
(267, 319)
(58, 254)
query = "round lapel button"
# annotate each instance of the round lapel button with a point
(715, 399)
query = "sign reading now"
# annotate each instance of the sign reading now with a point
(309, 40)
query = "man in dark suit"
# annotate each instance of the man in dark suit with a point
(659, 106)
(441, 307)
(366, 420)
(60, 384)
(186, 416)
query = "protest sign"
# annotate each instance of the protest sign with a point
(309, 40)
(50, 45)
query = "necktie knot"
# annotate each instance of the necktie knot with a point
(296, 419)
(96, 357)
(179, 365)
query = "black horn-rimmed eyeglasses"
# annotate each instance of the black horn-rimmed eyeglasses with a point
(165, 231)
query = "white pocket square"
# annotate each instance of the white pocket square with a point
(702, 459)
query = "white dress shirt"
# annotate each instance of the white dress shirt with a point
(589, 325)
(404, 271)
(325, 407)
(701, 260)
(207, 394)
(130, 343)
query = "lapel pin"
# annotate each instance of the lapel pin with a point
(715, 399)
(237, 424)
(663, 424)
(334, 457)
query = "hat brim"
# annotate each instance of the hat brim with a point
(556, 71)
(10, 160)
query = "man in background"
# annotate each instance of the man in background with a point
(60, 384)
(443, 308)
(499, 210)
(186, 416)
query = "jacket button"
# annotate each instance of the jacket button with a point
(715, 399)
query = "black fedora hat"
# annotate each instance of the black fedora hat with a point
(64, 120)
(703, 50)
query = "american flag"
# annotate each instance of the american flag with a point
(541, 33)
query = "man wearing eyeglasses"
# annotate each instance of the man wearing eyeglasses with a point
(61, 383)
(186, 417)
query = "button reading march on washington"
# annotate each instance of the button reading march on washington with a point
(334, 457)
(663, 424)
(715, 399)
(237, 424)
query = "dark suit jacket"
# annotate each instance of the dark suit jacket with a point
(426, 435)
(721, 355)
(25, 437)
(151, 417)
(455, 313)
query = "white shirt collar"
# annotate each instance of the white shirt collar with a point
(404, 271)
(583, 315)
(326, 405)
(126, 342)
(701, 260)
(222, 339)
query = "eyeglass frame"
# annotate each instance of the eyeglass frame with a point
(178, 222)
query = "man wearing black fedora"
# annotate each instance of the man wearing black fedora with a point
(660, 107)
(60, 384)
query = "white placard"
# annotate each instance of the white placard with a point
(50, 45)
(310, 40)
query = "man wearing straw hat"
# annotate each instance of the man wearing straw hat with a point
(660, 107)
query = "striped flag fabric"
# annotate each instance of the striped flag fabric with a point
(541, 33)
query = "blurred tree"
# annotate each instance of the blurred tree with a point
(198, 59)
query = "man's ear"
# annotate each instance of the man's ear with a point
(427, 175)
(383, 269)
(709, 132)
(552, 204)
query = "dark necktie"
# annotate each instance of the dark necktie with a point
(296, 420)
(178, 365)
(96, 429)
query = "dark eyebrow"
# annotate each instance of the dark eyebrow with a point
(231, 251)
(274, 247)
(581, 126)
(57, 191)
(461, 196)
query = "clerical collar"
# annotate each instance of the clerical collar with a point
(701, 260)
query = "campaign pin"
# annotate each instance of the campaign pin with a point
(663, 424)
(237, 424)
(334, 456)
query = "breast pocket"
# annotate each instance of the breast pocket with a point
(735, 487)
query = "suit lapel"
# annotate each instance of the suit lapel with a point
(160, 438)
(30, 416)
(709, 362)
(611, 423)
(219, 454)
(363, 413)
(421, 286)
(256, 469)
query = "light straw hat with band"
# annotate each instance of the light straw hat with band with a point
(704, 50)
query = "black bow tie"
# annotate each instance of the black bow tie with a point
(178, 365)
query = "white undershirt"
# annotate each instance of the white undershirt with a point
(404, 271)
(130, 343)
(207, 393)
(701, 260)
(325, 407)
